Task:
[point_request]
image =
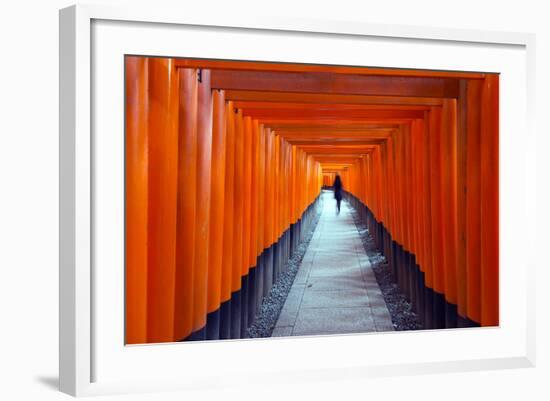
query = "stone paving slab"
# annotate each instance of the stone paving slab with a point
(334, 283)
(344, 271)
(311, 321)
(284, 331)
(335, 298)
(335, 290)
(288, 317)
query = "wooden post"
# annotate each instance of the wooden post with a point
(473, 201)
(187, 184)
(204, 182)
(490, 201)
(228, 280)
(136, 200)
(216, 216)
(162, 198)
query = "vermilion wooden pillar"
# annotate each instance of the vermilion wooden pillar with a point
(391, 188)
(186, 203)
(407, 181)
(292, 199)
(276, 188)
(490, 201)
(236, 302)
(162, 198)
(246, 229)
(247, 187)
(254, 276)
(254, 192)
(204, 168)
(228, 276)
(461, 180)
(136, 199)
(261, 188)
(449, 201)
(216, 256)
(473, 201)
(427, 208)
(436, 213)
(418, 191)
(270, 194)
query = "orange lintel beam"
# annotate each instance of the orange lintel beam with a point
(371, 133)
(320, 156)
(328, 168)
(338, 69)
(336, 136)
(332, 99)
(247, 106)
(326, 156)
(335, 164)
(338, 143)
(335, 123)
(333, 83)
(324, 126)
(344, 163)
(319, 114)
(334, 141)
(324, 148)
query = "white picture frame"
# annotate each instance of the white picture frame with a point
(80, 350)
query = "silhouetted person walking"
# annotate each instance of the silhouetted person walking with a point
(337, 191)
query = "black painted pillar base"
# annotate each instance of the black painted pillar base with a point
(236, 315)
(213, 325)
(429, 309)
(251, 295)
(395, 262)
(199, 335)
(465, 322)
(225, 320)
(259, 280)
(244, 305)
(268, 270)
(438, 310)
(420, 289)
(412, 280)
(451, 315)
(276, 256)
(292, 239)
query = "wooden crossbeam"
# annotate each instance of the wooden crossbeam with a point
(337, 69)
(292, 97)
(253, 106)
(275, 124)
(326, 128)
(336, 143)
(334, 83)
(337, 114)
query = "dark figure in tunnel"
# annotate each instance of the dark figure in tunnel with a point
(337, 191)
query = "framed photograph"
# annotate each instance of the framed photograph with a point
(270, 199)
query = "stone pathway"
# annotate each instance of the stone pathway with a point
(335, 290)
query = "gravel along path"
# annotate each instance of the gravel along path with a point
(402, 315)
(273, 304)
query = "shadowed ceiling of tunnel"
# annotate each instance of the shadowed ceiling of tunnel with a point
(336, 114)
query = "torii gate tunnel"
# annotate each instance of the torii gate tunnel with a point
(226, 159)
